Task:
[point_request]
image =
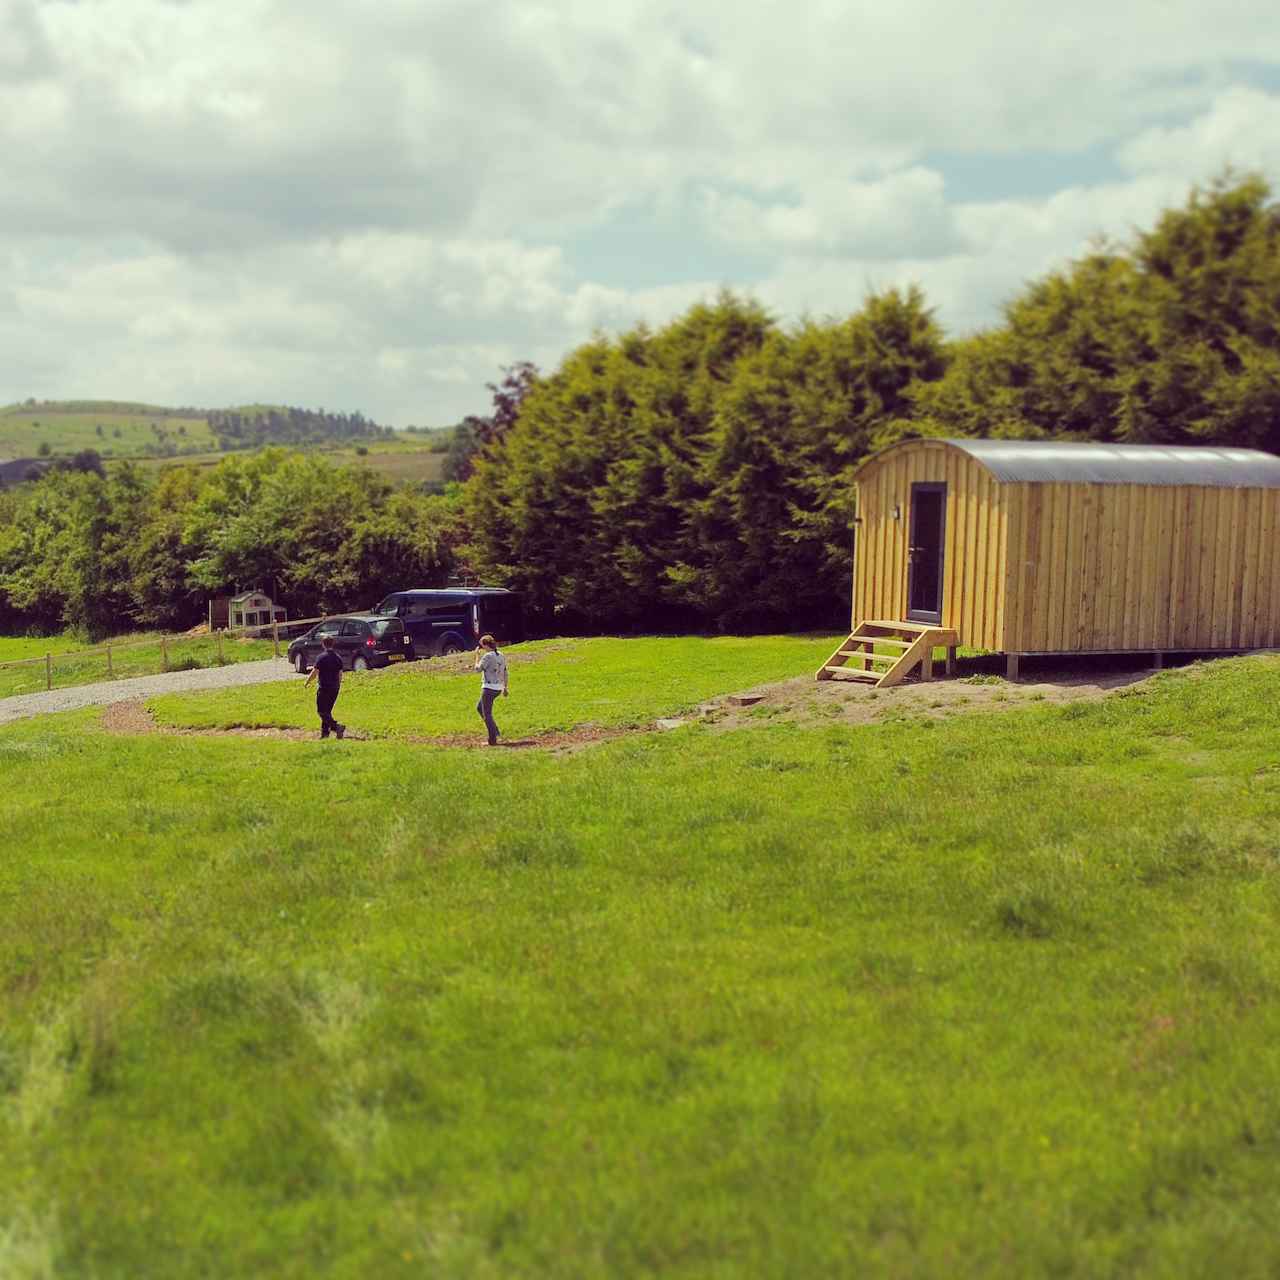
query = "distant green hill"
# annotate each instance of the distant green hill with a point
(114, 429)
(120, 429)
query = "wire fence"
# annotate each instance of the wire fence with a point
(155, 654)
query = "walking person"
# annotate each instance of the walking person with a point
(493, 681)
(328, 667)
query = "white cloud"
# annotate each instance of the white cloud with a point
(1240, 130)
(902, 214)
(373, 206)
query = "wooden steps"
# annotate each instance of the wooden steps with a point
(911, 645)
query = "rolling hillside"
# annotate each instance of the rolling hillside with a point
(159, 436)
(121, 429)
(114, 429)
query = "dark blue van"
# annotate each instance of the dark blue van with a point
(443, 620)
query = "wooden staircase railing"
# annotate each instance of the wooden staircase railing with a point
(909, 645)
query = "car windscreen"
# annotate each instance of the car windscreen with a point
(390, 626)
(387, 607)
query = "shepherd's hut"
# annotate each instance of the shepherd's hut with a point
(1041, 547)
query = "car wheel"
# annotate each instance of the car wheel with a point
(411, 653)
(359, 664)
(450, 646)
(300, 663)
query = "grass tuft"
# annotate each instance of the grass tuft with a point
(29, 1245)
(1027, 913)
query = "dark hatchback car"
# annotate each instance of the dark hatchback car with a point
(359, 640)
(450, 619)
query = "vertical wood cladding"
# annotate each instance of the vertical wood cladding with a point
(1062, 568)
(975, 540)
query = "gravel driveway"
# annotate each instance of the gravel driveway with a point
(91, 695)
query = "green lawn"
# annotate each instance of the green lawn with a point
(18, 648)
(555, 685)
(131, 655)
(995, 995)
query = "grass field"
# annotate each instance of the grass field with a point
(558, 684)
(126, 430)
(401, 461)
(131, 655)
(17, 648)
(995, 995)
(407, 462)
(210, 458)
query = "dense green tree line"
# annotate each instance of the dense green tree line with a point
(106, 552)
(286, 424)
(701, 473)
(1174, 339)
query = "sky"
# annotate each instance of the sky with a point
(375, 205)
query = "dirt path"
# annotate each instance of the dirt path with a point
(105, 692)
(801, 701)
(134, 717)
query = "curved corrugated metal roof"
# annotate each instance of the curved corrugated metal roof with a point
(1067, 462)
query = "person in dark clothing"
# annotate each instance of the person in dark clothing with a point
(328, 667)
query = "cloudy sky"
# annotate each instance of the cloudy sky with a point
(374, 204)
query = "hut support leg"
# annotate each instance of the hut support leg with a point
(926, 665)
(1157, 661)
(1012, 670)
(951, 660)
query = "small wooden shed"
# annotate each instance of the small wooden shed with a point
(248, 609)
(1043, 547)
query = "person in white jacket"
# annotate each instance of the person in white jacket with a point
(493, 681)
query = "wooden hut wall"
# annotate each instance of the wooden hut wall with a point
(1124, 567)
(975, 541)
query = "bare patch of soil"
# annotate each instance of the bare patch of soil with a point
(559, 741)
(807, 701)
(801, 701)
(128, 717)
(135, 718)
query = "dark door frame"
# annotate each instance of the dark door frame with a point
(915, 551)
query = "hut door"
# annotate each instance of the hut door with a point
(924, 564)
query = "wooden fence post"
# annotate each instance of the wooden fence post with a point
(48, 671)
(164, 654)
(218, 634)
(275, 636)
(110, 673)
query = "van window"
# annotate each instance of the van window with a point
(388, 608)
(503, 616)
